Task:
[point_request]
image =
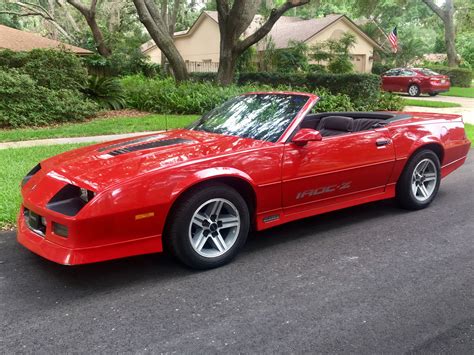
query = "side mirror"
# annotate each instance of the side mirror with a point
(305, 135)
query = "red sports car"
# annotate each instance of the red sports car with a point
(415, 81)
(255, 162)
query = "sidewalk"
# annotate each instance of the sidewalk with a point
(71, 140)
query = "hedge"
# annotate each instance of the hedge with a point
(361, 88)
(25, 103)
(458, 76)
(165, 96)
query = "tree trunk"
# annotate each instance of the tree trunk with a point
(449, 37)
(159, 32)
(234, 18)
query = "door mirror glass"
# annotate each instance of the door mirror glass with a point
(305, 135)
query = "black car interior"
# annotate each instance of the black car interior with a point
(337, 123)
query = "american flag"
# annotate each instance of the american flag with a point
(393, 38)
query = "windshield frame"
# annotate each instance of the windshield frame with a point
(293, 123)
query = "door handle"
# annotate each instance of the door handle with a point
(382, 142)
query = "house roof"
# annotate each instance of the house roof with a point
(23, 41)
(283, 32)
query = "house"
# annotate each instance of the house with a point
(23, 41)
(199, 45)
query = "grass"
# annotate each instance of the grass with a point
(15, 164)
(470, 132)
(423, 103)
(461, 92)
(97, 127)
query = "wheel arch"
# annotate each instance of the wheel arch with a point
(237, 180)
(434, 146)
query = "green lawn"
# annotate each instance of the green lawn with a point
(470, 132)
(99, 127)
(15, 164)
(426, 103)
(461, 92)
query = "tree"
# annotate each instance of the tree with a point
(234, 18)
(89, 13)
(158, 29)
(446, 14)
(336, 52)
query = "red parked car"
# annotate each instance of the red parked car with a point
(255, 162)
(415, 81)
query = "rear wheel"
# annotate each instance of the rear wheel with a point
(414, 90)
(208, 227)
(419, 182)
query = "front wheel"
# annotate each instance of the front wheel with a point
(414, 90)
(419, 182)
(208, 226)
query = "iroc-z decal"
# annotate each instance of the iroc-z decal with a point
(324, 190)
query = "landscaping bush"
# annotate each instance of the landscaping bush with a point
(24, 103)
(50, 68)
(361, 88)
(380, 68)
(165, 96)
(458, 76)
(106, 91)
(203, 77)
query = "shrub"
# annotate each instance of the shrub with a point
(24, 103)
(203, 77)
(165, 96)
(55, 69)
(106, 91)
(11, 59)
(380, 68)
(388, 102)
(458, 76)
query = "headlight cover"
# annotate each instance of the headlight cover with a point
(70, 200)
(30, 174)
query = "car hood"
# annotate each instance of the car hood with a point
(101, 165)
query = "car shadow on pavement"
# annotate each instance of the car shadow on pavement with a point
(159, 268)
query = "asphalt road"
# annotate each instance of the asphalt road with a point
(370, 279)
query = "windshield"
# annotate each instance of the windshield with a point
(256, 116)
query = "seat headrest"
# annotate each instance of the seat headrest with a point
(338, 123)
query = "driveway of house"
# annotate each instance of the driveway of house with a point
(466, 110)
(371, 279)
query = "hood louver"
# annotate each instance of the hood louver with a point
(155, 144)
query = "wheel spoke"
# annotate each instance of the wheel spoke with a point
(423, 167)
(219, 243)
(430, 177)
(424, 192)
(199, 240)
(198, 219)
(229, 222)
(215, 208)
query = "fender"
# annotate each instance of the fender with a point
(208, 174)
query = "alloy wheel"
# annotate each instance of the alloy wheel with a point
(424, 179)
(214, 227)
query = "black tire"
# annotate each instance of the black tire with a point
(413, 90)
(432, 93)
(404, 192)
(177, 235)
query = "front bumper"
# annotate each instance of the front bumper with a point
(52, 251)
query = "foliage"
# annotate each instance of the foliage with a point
(165, 96)
(380, 68)
(361, 88)
(316, 68)
(458, 76)
(50, 68)
(106, 91)
(25, 103)
(465, 44)
(246, 61)
(389, 102)
(203, 77)
(291, 59)
(336, 53)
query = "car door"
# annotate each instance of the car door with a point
(338, 168)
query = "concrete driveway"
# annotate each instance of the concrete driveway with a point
(466, 110)
(367, 280)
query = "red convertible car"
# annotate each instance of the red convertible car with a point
(415, 81)
(255, 162)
